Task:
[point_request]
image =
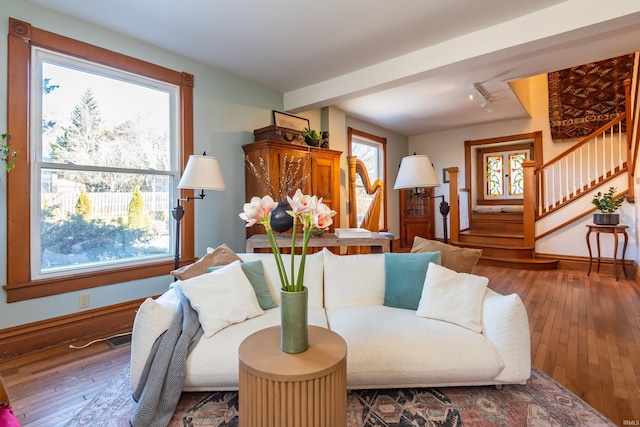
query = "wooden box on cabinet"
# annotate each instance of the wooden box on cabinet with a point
(416, 216)
(322, 167)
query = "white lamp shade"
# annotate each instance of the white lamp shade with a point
(416, 172)
(202, 173)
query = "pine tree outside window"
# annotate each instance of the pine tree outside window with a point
(80, 148)
(104, 160)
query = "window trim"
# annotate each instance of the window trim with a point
(351, 132)
(483, 198)
(22, 36)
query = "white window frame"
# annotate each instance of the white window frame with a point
(506, 182)
(359, 137)
(40, 55)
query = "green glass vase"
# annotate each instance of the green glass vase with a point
(294, 332)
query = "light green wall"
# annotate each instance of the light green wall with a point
(226, 111)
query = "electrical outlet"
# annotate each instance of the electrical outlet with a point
(83, 301)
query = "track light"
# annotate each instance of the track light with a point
(486, 97)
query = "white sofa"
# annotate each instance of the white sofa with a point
(387, 347)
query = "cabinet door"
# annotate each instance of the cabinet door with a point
(416, 216)
(325, 182)
(291, 169)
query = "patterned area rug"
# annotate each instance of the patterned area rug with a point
(541, 402)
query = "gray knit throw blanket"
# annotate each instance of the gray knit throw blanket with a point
(163, 376)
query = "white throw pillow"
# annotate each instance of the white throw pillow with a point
(221, 298)
(453, 297)
(353, 279)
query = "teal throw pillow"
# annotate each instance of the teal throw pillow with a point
(404, 275)
(255, 273)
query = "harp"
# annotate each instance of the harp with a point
(371, 219)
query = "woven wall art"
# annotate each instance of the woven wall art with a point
(583, 98)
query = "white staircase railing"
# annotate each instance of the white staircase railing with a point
(597, 158)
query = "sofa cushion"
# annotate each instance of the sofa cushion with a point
(221, 298)
(313, 278)
(453, 297)
(404, 277)
(213, 363)
(457, 259)
(390, 347)
(222, 255)
(353, 279)
(255, 273)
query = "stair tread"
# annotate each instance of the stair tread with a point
(489, 245)
(493, 233)
(523, 260)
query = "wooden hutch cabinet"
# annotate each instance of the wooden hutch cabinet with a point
(322, 166)
(416, 215)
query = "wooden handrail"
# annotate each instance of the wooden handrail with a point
(583, 141)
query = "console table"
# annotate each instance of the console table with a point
(608, 229)
(378, 242)
(280, 389)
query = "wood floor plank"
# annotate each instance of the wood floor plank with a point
(585, 334)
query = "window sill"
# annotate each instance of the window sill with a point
(43, 288)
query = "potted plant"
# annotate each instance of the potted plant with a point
(311, 137)
(607, 205)
(6, 153)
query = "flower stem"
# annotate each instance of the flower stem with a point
(276, 252)
(293, 254)
(303, 259)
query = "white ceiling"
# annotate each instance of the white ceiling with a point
(406, 66)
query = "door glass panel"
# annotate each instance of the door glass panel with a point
(516, 175)
(494, 175)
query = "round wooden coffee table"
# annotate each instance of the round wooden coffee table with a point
(278, 389)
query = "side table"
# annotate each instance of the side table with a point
(278, 389)
(609, 229)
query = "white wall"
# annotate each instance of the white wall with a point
(226, 111)
(226, 108)
(446, 149)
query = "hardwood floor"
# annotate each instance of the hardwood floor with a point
(48, 387)
(585, 333)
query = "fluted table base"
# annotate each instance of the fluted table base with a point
(278, 389)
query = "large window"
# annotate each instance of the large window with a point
(103, 143)
(108, 137)
(370, 149)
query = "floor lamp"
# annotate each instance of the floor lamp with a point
(417, 172)
(202, 173)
